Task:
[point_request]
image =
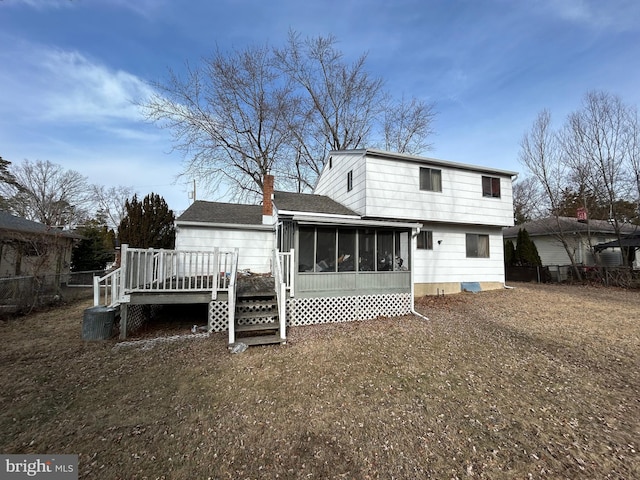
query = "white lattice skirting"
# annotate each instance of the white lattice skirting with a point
(218, 316)
(311, 311)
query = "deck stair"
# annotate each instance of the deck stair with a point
(256, 314)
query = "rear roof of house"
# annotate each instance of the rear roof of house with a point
(22, 225)
(218, 212)
(202, 211)
(309, 203)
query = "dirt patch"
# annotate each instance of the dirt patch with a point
(534, 382)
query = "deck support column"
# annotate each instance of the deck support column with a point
(123, 320)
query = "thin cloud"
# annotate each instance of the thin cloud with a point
(616, 15)
(40, 4)
(84, 90)
(63, 86)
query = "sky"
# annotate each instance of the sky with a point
(72, 70)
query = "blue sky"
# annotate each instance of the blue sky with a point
(70, 70)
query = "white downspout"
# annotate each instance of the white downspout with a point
(413, 288)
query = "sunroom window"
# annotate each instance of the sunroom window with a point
(325, 249)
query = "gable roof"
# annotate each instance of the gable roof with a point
(224, 213)
(549, 226)
(22, 225)
(221, 213)
(309, 203)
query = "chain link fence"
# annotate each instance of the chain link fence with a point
(609, 276)
(22, 294)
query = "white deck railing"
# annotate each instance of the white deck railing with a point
(152, 270)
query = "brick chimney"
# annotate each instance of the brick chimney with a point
(267, 200)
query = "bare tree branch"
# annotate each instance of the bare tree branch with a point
(49, 194)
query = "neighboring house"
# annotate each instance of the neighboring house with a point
(581, 237)
(630, 244)
(32, 249)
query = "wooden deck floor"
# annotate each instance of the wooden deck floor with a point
(252, 285)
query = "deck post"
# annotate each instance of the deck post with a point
(123, 320)
(232, 314)
(292, 272)
(282, 311)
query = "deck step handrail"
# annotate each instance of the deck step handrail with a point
(287, 269)
(233, 275)
(280, 277)
(111, 283)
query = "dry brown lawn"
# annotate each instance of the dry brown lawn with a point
(533, 382)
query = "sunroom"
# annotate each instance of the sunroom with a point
(348, 269)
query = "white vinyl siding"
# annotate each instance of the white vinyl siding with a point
(254, 246)
(447, 262)
(393, 191)
(552, 252)
(385, 188)
(332, 181)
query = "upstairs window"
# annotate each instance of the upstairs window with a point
(477, 246)
(350, 180)
(430, 179)
(491, 187)
(425, 240)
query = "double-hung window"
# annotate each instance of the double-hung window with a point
(477, 245)
(430, 179)
(491, 187)
(425, 240)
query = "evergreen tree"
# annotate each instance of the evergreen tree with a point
(7, 183)
(526, 253)
(95, 250)
(147, 224)
(509, 253)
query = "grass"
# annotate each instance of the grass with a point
(534, 382)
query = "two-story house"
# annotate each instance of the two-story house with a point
(379, 229)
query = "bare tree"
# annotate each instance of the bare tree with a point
(259, 110)
(597, 146)
(110, 202)
(340, 101)
(541, 153)
(632, 146)
(526, 200)
(230, 118)
(408, 125)
(47, 193)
